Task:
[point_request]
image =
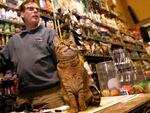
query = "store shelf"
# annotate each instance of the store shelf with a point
(1, 46)
(130, 46)
(95, 39)
(136, 59)
(12, 96)
(147, 74)
(8, 7)
(46, 15)
(112, 29)
(131, 42)
(146, 59)
(110, 14)
(96, 58)
(11, 22)
(8, 79)
(133, 49)
(127, 34)
(117, 44)
(7, 33)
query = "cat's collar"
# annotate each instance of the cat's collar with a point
(76, 58)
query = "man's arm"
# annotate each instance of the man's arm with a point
(51, 47)
(5, 63)
(2, 63)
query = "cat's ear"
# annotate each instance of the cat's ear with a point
(56, 40)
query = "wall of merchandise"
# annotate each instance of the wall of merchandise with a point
(100, 34)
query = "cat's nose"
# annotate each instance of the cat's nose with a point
(68, 45)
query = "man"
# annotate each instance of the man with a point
(31, 54)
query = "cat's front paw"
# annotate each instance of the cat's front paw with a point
(73, 111)
(83, 107)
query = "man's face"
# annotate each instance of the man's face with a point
(31, 14)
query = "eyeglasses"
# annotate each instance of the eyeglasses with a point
(32, 9)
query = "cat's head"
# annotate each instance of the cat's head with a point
(65, 49)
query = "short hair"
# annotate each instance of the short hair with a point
(22, 6)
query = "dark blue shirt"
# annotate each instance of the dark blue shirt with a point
(32, 55)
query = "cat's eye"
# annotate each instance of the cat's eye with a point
(70, 42)
(61, 43)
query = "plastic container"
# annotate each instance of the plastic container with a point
(107, 75)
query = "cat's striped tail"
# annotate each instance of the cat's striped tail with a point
(96, 96)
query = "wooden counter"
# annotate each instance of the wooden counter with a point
(129, 106)
(122, 104)
(138, 103)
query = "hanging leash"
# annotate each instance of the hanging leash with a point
(56, 22)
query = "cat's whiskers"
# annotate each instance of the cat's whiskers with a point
(73, 48)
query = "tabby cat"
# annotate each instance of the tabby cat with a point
(78, 88)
